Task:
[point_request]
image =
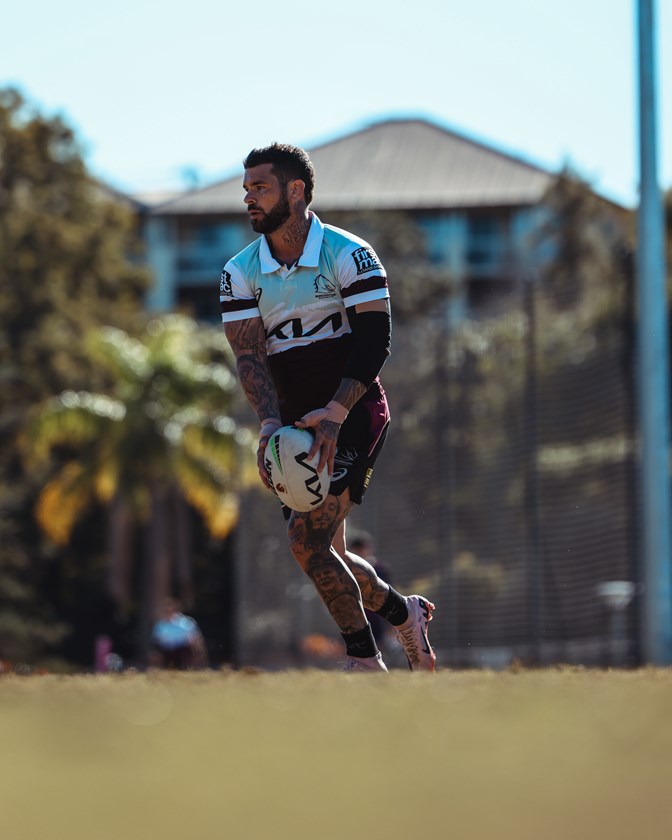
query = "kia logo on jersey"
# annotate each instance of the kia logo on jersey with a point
(298, 330)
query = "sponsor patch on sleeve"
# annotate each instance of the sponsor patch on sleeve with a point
(225, 284)
(366, 260)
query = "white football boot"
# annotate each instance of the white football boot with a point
(368, 663)
(412, 634)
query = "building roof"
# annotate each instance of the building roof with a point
(152, 198)
(408, 164)
(109, 193)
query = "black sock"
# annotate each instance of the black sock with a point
(360, 643)
(394, 609)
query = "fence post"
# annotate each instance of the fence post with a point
(653, 360)
(446, 478)
(535, 571)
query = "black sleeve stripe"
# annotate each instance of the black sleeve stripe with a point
(238, 305)
(367, 285)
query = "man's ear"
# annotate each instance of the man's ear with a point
(297, 189)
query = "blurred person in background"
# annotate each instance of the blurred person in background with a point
(306, 311)
(178, 641)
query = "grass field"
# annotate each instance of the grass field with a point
(550, 755)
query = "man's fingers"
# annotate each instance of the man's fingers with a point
(311, 419)
(332, 456)
(318, 441)
(327, 455)
(261, 467)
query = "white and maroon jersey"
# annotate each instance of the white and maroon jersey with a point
(303, 308)
(307, 302)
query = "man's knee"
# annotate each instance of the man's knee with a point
(296, 534)
(315, 531)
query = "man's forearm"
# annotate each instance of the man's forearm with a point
(257, 384)
(248, 343)
(348, 392)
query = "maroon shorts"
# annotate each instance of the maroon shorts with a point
(360, 442)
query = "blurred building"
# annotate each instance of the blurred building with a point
(474, 205)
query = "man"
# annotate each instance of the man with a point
(178, 639)
(306, 310)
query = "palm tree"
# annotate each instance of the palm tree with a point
(163, 435)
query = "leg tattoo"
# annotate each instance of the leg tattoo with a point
(310, 538)
(338, 589)
(374, 590)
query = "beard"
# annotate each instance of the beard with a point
(274, 219)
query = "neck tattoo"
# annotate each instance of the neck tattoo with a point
(296, 233)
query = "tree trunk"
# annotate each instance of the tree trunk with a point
(120, 550)
(156, 583)
(182, 549)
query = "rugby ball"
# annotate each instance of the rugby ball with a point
(293, 478)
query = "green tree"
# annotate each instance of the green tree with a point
(68, 262)
(162, 434)
(580, 241)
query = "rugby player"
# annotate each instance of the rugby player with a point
(306, 311)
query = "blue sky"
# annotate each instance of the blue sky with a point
(155, 89)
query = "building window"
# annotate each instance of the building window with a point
(437, 233)
(210, 234)
(209, 244)
(485, 242)
(200, 302)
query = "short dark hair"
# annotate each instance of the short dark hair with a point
(359, 539)
(289, 162)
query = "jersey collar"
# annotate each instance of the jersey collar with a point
(311, 250)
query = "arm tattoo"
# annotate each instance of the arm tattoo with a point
(349, 391)
(257, 383)
(248, 342)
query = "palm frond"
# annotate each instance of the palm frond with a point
(106, 479)
(217, 444)
(62, 501)
(166, 421)
(213, 375)
(215, 502)
(120, 353)
(73, 418)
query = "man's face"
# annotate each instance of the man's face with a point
(168, 609)
(266, 199)
(325, 514)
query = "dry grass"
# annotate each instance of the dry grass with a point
(547, 755)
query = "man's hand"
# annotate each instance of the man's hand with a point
(268, 427)
(327, 423)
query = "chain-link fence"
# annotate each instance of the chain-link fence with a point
(506, 493)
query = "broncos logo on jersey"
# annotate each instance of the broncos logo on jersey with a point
(324, 287)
